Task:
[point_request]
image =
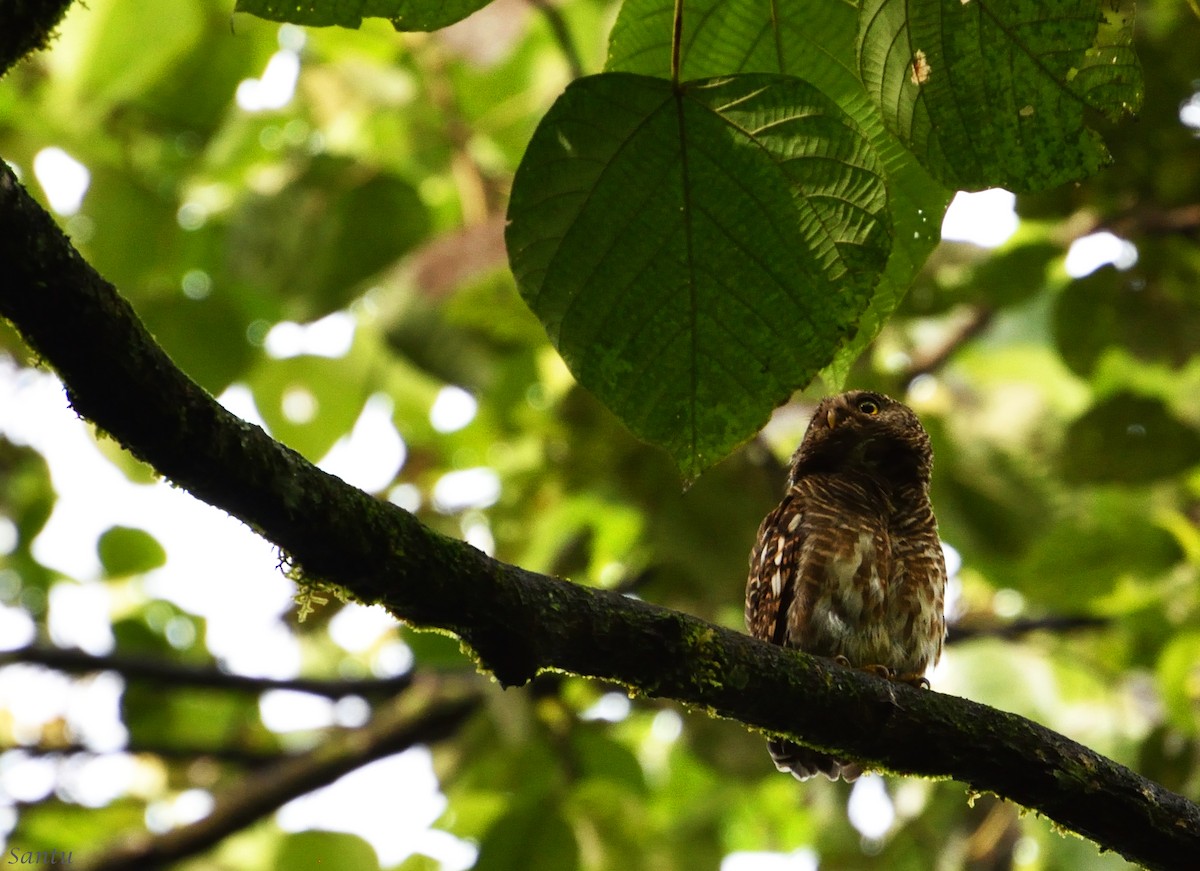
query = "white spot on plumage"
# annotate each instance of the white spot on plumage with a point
(794, 522)
(777, 583)
(836, 625)
(843, 569)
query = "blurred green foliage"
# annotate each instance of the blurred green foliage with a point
(1065, 414)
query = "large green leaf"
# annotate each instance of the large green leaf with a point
(697, 253)
(994, 92)
(815, 42)
(403, 14)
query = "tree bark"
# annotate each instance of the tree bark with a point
(519, 623)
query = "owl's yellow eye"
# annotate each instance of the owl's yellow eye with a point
(868, 406)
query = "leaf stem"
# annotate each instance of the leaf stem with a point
(562, 35)
(676, 42)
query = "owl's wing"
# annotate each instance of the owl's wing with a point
(771, 585)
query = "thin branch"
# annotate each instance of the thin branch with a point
(958, 632)
(978, 320)
(394, 729)
(520, 623)
(562, 35)
(173, 674)
(240, 756)
(1148, 219)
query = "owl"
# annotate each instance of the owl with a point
(849, 565)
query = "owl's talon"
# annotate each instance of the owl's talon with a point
(878, 670)
(913, 679)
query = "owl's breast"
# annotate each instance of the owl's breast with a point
(845, 591)
(859, 604)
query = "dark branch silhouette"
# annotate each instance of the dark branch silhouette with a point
(174, 674)
(518, 622)
(244, 757)
(395, 728)
(1013, 629)
(933, 359)
(562, 35)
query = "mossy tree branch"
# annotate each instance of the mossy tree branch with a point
(27, 26)
(519, 622)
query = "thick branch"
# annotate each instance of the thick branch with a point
(520, 622)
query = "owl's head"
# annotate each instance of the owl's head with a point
(868, 433)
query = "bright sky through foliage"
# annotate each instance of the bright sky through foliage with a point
(453, 409)
(213, 561)
(64, 179)
(395, 831)
(276, 87)
(987, 218)
(1089, 253)
(331, 336)
(870, 808)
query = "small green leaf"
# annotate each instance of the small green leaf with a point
(697, 254)
(403, 14)
(198, 718)
(994, 93)
(309, 402)
(1085, 553)
(67, 827)
(27, 497)
(531, 836)
(224, 354)
(124, 550)
(1128, 439)
(1152, 310)
(113, 61)
(319, 238)
(419, 862)
(599, 756)
(1178, 675)
(326, 851)
(435, 650)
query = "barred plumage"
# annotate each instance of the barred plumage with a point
(849, 565)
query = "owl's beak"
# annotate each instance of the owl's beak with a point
(831, 418)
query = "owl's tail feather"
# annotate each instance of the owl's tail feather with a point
(804, 763)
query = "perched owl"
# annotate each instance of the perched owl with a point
(849, 565)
